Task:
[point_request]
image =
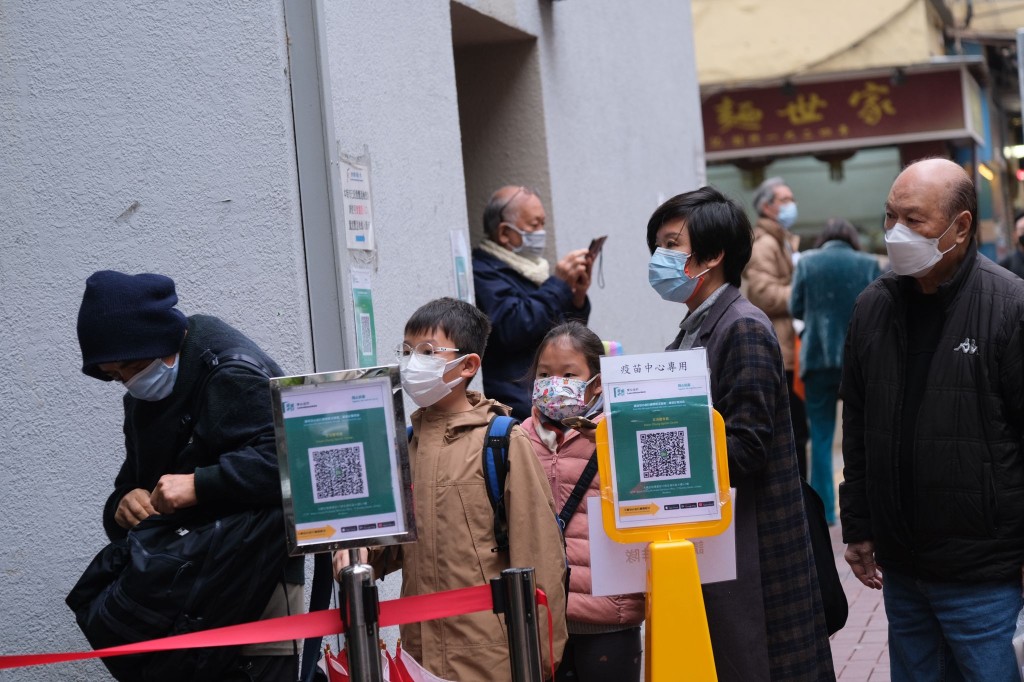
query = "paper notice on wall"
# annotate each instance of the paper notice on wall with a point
(362, 312)
(617, 568)
(357, 202)
(460, 263)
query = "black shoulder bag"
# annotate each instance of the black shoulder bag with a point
(181, 573)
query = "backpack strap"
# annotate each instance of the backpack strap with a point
(495, 466)
(576, 496)
(319, 599)
(233, 357)
(320, 591)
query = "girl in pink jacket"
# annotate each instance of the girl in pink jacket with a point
(604, 632)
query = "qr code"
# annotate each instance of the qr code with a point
(339, 472)
(365, 334)
(663, 453)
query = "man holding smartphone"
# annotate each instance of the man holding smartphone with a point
(517, 290)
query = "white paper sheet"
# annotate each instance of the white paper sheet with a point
(617, 568)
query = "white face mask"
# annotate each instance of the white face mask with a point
(423, 378)
(155, 382)
(533, 243)
(910, 253)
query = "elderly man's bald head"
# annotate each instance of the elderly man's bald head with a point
(502, 206)
(947, 180)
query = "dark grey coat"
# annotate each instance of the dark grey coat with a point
(768, 624)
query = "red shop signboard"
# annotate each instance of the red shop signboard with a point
(842, 114)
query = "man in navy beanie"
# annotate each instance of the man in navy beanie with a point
(215, 451)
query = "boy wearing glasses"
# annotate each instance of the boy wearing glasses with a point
(456, 545)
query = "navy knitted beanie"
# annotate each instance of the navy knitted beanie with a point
(128, 317)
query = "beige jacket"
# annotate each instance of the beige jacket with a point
(767, 281)
(455, 526)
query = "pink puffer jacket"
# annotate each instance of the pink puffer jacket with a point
(563, 468)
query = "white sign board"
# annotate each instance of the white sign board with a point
(617, 568)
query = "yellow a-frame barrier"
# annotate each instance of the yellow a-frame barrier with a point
(677, 627)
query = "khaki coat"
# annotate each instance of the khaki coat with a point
(455, 527)
(767, 281)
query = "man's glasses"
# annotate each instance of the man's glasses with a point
(404, 350)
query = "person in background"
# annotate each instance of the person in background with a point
(516, 289)
(456, 544)
(1014, 261)
(767, 281)
(769, 623)
(826, 282)
(933, 412)
(604, 632)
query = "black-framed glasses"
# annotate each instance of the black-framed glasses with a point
(404, 350)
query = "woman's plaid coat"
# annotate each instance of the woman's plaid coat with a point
(768, 624)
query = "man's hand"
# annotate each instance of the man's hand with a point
(341, 560)
(574, 270)
(861, 557)
(133, 508)
(174, 492)
(572, 266)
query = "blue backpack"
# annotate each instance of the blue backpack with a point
(495, 468)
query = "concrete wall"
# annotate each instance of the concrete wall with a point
(139, 137)
(624, 133)
(393, 91)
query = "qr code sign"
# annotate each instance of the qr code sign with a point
(663, 453)
(339, 472)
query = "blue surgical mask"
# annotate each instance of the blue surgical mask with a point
(787, 214)
(155, 382)
(533, 243)
(667, 274)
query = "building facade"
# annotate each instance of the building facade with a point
(213, 143)
(838, 98)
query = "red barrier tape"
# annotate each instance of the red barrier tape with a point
(316, 624)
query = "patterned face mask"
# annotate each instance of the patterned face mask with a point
(561, 397)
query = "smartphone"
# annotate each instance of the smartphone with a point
(579, 423)
(596, 245)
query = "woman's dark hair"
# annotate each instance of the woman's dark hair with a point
(843, 230)
(716, 224)
(580, 337)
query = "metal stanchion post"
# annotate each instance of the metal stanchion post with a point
(359, 612)
(520, 609)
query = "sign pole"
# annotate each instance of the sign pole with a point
(673, 588)
(359, 613)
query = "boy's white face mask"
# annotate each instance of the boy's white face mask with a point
(423, 377)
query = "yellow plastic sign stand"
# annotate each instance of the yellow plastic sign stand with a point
(677, 627)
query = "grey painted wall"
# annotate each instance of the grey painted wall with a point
(624, 131)
(183, 112)
(139, 137)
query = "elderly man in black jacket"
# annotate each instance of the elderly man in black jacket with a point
(214, 452)
(933, 496)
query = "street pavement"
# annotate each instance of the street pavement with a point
(860, 651)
